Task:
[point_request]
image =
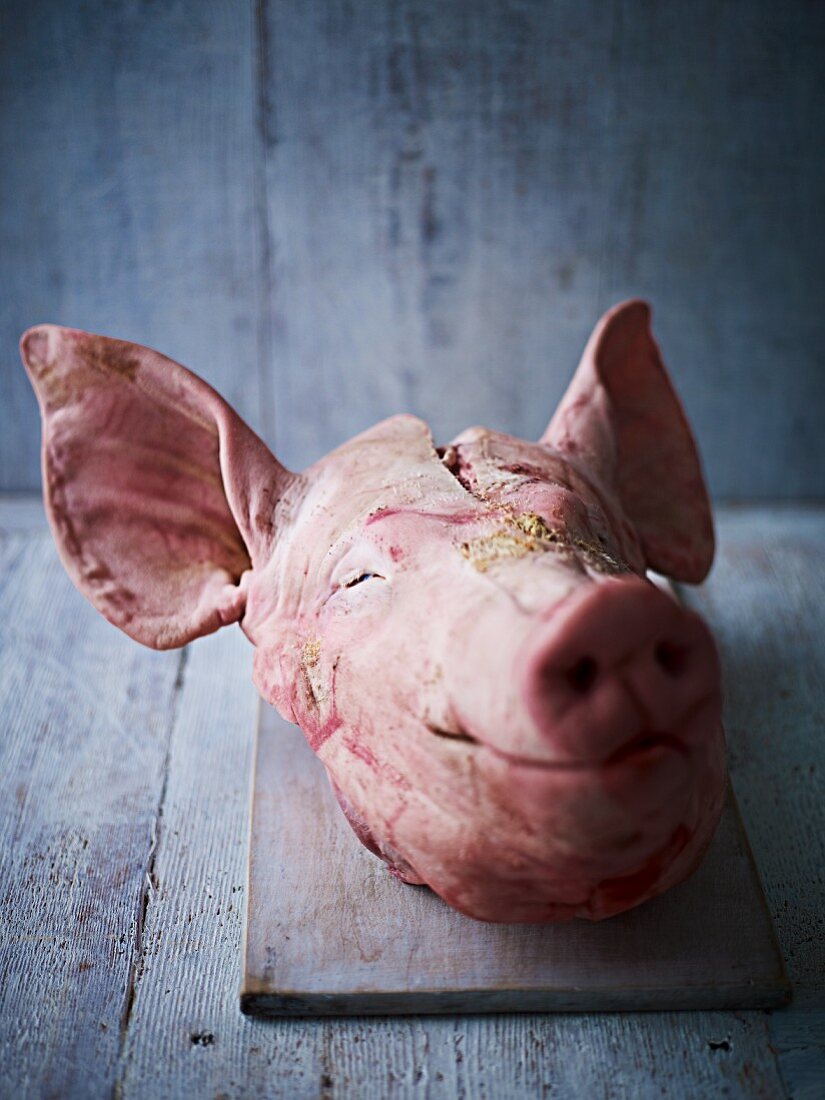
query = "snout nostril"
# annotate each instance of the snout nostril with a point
(582, 676)
(671, 657)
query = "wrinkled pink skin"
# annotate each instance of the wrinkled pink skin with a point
(507, 710)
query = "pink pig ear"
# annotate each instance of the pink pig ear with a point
(622, 417)
(159, 496)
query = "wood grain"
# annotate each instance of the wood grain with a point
(185, 1036)
(185, 1002)
(775, 684)
(86, 720)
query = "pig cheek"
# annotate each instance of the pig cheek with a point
(372, 643)
(350, 714)
(417, 791)
(273, 673)
(315, 695)
(405, 792)
(337, 666)
(360, 825)
(298, 677)
(474, 854)
(372, 789)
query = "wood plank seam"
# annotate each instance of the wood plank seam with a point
(149, 881)
(265, 139)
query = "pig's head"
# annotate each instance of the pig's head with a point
(507, 709)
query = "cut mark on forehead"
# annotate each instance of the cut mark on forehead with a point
(451, 460)
(444, 517)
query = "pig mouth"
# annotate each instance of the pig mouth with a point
(457, 735)
(644, 745)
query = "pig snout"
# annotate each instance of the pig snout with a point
(619, 668)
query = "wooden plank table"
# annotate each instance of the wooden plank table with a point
(123, 824)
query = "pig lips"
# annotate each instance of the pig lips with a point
(636, 751)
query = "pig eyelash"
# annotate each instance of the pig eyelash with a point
(358, 578)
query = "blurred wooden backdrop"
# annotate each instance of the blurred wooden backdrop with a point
(340, 209)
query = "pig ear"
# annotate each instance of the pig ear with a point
(622, 417)
(159, 497)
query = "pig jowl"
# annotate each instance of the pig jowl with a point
(508, 710)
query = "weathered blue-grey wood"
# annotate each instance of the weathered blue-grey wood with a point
(798, 1037)
(342, 209)
(330, 933)
(85, 718)
(766, 601)
(127, 192)
(185, 1015)
(456, 191)
(185, 1036)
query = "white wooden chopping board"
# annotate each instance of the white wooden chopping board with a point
(330, 932)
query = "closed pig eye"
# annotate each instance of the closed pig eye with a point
(359, 578)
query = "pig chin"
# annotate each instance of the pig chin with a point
(589, 840)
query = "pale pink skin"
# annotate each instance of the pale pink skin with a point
(507, 710)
